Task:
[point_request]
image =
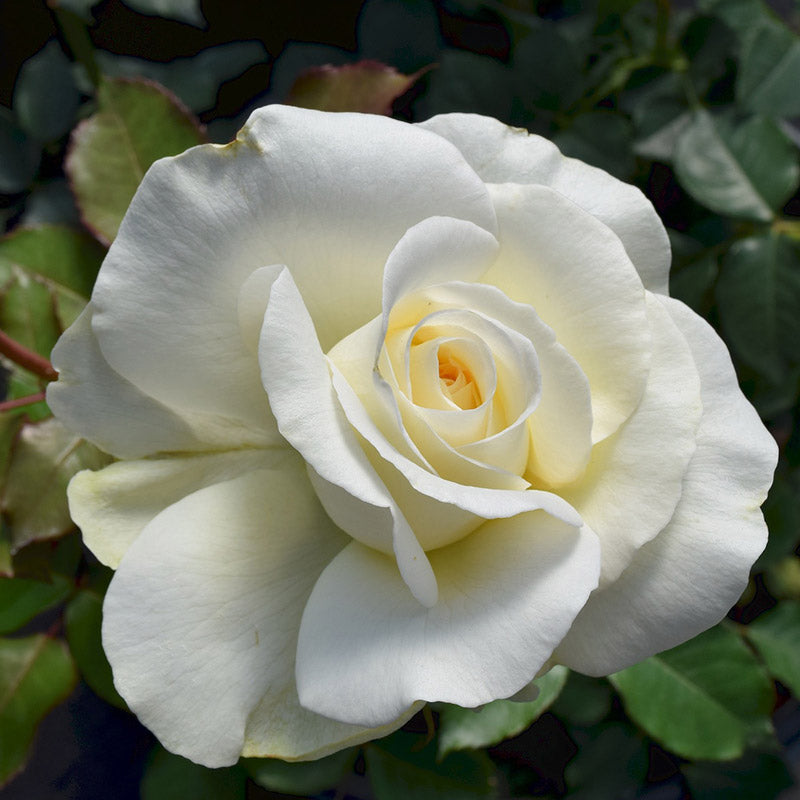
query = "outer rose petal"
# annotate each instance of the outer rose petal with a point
(575, 273)
(112, 506)
(687, 578)
(508, 594)
(500, 154)
(295, 188)
(201, 619)
(635, 477)
(103, 407)
(296, 377)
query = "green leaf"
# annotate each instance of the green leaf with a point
(754, 777)
(367, 86)
(693, 283)
(36, 673)
(584, 701)
(469, 82)
(136, 123)
(46, 97)
(758, 294)
(19, 155)
(21, 600)
(170, 777)
(611, 763)
(463, 728)
(776, 636)
(65, 258)
(301, 777)
(195, 79)
(767, 79)
(705, 699)
(745, 170)
(782, 515)
(399, 769)
(182, 10)
(45, 458)
(741, 16)
(602, 139)
(547, 70)
(27, 313)
(83, 616)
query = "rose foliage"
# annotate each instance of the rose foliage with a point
(403, 413)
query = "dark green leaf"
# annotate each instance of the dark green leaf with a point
(744, 170)
(706, 699)
(547, 70)
(767, 81)
(196, 79)
(776, 636)
(611, 764)
(602, 139)
(45, 458)
(758, 293)
(782, 514)
(136, 124)
(756, 776)
(82, 621)
(467, 81)
(36, 673)
(21, 600)
(46, 97)
(584, 701)
(170, 777)
(398, 769)
(692, 284)
(743, 17)
(385, 28)
(463, 728)
(182, 10)
(367, 86)
(19, 155)
(301, 777)
(50, 203)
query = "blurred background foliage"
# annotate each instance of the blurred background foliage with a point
(698, 103)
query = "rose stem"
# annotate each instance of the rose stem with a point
(31, 361)
(10, 405)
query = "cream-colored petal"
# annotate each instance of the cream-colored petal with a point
(329, 195)
(687, 578)
(634, 480)
(500, 154)
(99, 404)
(201, 618)
(112, 506)
(577, 276)
(508, 594)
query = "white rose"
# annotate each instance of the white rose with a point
(404, 414)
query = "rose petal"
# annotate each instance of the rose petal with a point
(295, 375)
(575, 273)
(634, 480)
(201, 618)
(561, 425)
(112, 506)
(485, 503)
(508, 594)
(687, 578)
(103, 407)
(202, 222)
(436, 250)
(500, 154)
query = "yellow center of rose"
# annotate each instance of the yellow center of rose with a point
(457, 382)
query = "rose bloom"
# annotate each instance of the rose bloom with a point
(403, 413)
